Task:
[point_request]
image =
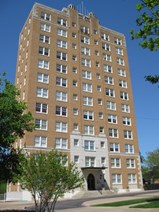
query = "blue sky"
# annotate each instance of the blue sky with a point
(119, 15)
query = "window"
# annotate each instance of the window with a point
(97, 64)
(61, 126)
(74, 83)
(44, 51)
(119, 51)
(124, 95)
(128, 134)
(100, 115)
(129, 148)
(86, 74)
(42, 92)
(115, 163)
(113, 133)
(110, 92)
(106, 46)
(125, 108)
(44, 78)
(61, 68)
(89, 161)
(123, 83)
(74, 24)
(132, 178)
(85, 30)
(99, 88)
(75, 126)
(61, 96)
(61, 55)
(112, 119)
(114, 147)
(88, 115)
(122, 72)
(85, 40)
(74, 57)
(74, 35)
(62, 32)
(105, 36)
(74, 46)
(99, 101)
(62, 21)
(61, 82)
(61, 111)
(40, 141)
(41, 124)
(61, 143)
(108, 68)
(85, 51)
(95, 32)
(76, 159)
(111, 105)
(95, 42)
(75, 97)
(102, 144)
(101, 129)
(96, 52)
(74, 70)
(86, 87)
(62, 44)
(103, 161)
(130, 163)
(45, 27)
(75, 111)
(76, 142)
(88, 130)
(44, 38)
(127, 121)
(43, 64)
(41, 108)
(109, 80)
(89, 145)
(116, 179)
(107, 57)
(120, 61)
(46, 16)
(87, 101)
(86, 62)
(118, 41)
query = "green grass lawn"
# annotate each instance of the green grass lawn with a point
(149, 203)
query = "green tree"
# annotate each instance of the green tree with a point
(47, 178)
(148, 33)
(14, 121)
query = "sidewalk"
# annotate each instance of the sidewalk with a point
(87, 206)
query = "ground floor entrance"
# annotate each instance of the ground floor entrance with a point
(91, 182)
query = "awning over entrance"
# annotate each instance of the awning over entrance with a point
(94, 168)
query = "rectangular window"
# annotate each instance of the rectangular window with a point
(88, 130)
(62, 32)
(123, 83)
(124, 95)
(41, 107)
(61, 55)
(41, 124)
(129, 148)
(89, 161)
(75, 97)
(120, 61)
(118, 41)
(61, 126)
(119, 51)
(61, 82)
(45, 27)
(61, 68)
(85, 40)
(85, 51)
(110, 92)
(108, 68)
(44, 38)
(89, 145)
(44, 51)
(86, 74)
(125, 108)
(105, 36)
(61, 111)
(127, 121)
(61, 96)
(106, 46)
(132, 179)
(88, 115)
(115, 163)
(107, 57)
(116, 179)
(61, 143)
(62, 44)
(128, 134)
(42, 92)
(76, 142)
(46, 16)
(86, 62)
(109, 80)
(100, 115)
(103, 161)
(85, 30)
(111, 105)
(40, 141)
(43, 64)
(86, 87)
(130, 163)
(44, 78)
(87, 101)
(62, 22)
(112, 119)
(113, 133)
(114, 147)
(122, 72)
(76, 159)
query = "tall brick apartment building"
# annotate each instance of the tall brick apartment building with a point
(74, 76)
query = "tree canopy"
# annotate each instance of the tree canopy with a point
(47, 178)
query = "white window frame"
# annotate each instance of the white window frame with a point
(115, 163)
(130, 163)
(86, 74)
(41, 108)
(44, 38)
(61, 82)
(86, 62)
(40, 141)
(109, 80)
(113, 133)
(118, 41)
(45, 16)
(60, 143)
(85, 50)
(61, 68)
(128, 134)
(42, 92)
(110, 92)
(61, 111)
(43, 64)
(88, 115)
(89, 145)
(108, 68)
(123, 83)
(61, 96)
(114, 147)
(132, 179)
(62, 22)
(124, 95)
(62, 44)
(44, 51)
(85, 40)
(111, 105)
(87, 100)
(120, 61)
(125, 108)
(61, 126)
(42, 124)
(61, 55)
(126, 121)
(112, 118)
(129, 148)
(87, 87)
(121, 72)
(116, 179)
(107, 57)
(45, 27)
(62, 32)
(90, 161)
(119, 51)
(106, 46)
(44, 78)
(105, 37)
(88, 130)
